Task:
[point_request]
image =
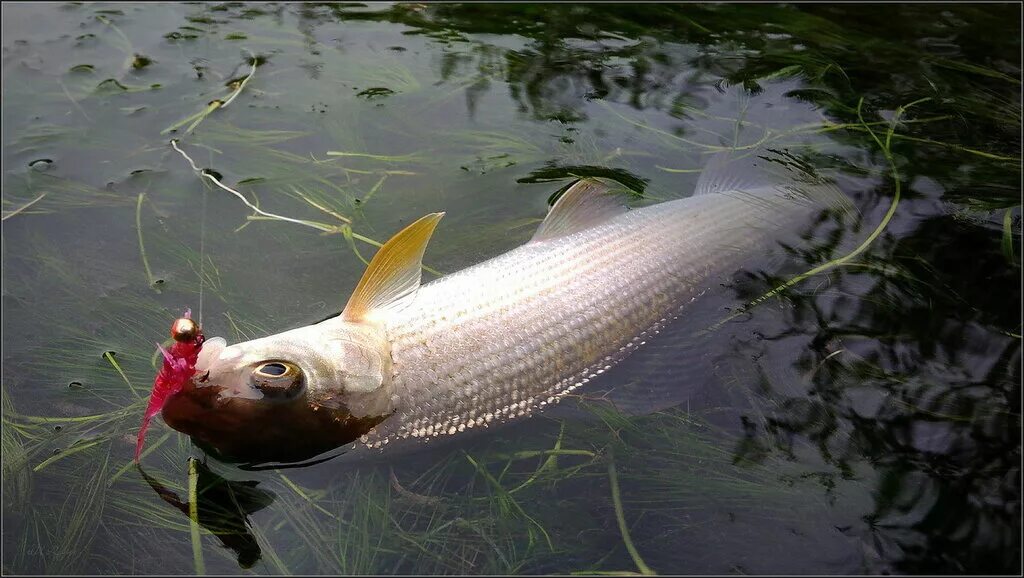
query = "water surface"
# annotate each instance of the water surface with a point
(864, 420)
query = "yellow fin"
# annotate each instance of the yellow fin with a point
(395, 272)
(586, 203)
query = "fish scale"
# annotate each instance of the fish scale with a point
(504, 337)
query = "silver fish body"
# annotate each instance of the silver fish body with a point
(499, 339)
(507, 336)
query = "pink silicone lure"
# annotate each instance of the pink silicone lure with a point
(179, 366)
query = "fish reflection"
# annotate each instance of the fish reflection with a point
(223, 508)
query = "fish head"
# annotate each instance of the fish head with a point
(294, 395)
(286, 397)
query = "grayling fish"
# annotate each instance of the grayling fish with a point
(497, 340)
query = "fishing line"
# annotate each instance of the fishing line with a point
(202, 251)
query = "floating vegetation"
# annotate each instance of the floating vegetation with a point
(632, 182)
(175, 35)
(376, 92)
(139, 62)
(236, 89)
(113, 86)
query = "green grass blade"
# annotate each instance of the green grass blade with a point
(193, 515)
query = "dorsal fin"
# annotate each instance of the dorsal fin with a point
(768, 168)
(394, 273)
(764, 168)
(583, 205)
(732, 171)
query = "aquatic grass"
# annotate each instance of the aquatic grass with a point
(348, 171)
(508, 506)
(442, 540)
(193, 516)
(203, 173)
(302, 494)
(448, 534)
(253, 328)
(141, 510)
(142, 247)
(670, 138)
(151, 447)
(73, 101)
(42, 135)
(123, 43)
(194, 119)
(358, 551)
(373, 190)
(319, 201)
(261, 215)
(380, 73)
(224, 133)
(23, 207)
(971, 68)
(74, 449)
(60, 194)
(408, 158)
(17, 478)
(772, 136)
(312, 535)
(492, 145)
(621, 519)
(76, 518)
(236, 89)
(267, 548)
(86, 355)
(954, 146)
(208, 275)
(1007, 244)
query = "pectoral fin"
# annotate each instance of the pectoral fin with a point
(583, 205)
(394, 273)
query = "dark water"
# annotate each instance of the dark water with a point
(865, 420)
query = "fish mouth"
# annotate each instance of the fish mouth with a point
(236, 428)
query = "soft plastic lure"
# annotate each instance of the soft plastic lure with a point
(179, 366)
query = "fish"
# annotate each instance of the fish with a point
(499, 340)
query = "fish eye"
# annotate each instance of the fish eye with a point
(278, 379)
(275, 369)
